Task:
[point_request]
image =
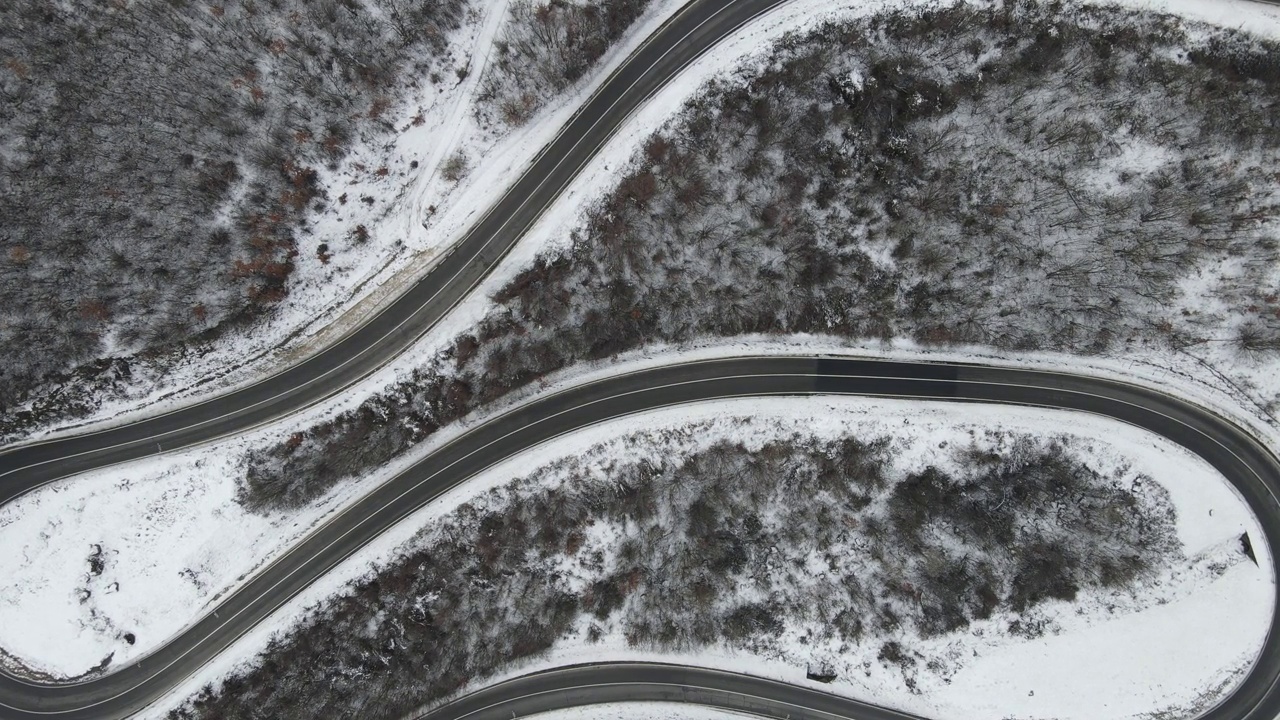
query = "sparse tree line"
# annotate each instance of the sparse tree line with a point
(722, 545)
(157, 159)
(546, 46)
(1004, 176)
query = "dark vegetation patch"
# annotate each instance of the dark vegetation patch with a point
(547, 46)
(1001, 176)
(157, 159)
(717, 546)
(96, 562)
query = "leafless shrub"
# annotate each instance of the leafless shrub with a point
(455, 168)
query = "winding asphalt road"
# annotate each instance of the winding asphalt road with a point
(1254, 471)
(580, 685)
(129, 688)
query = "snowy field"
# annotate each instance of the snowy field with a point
(1172, 643)
(111, 568)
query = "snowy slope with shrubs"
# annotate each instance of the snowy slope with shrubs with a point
(871, 182)
(653, 474)
(163, 164)
(388, 204)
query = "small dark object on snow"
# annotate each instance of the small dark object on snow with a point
(96, 564)
(130, 638)
(822, 673)
(1247, 547)
(106, 661)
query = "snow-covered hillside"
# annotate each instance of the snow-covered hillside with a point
(394, 209)
(194, 543)
(1168, 643)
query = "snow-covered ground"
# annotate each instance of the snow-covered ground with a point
(1198, 628)
(168, 538)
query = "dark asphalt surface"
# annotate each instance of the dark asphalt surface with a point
(580, 685)
(129, 688)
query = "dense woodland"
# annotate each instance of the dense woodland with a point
(157, 158)
(547, 46)
(1021, 176)
(726, 545)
